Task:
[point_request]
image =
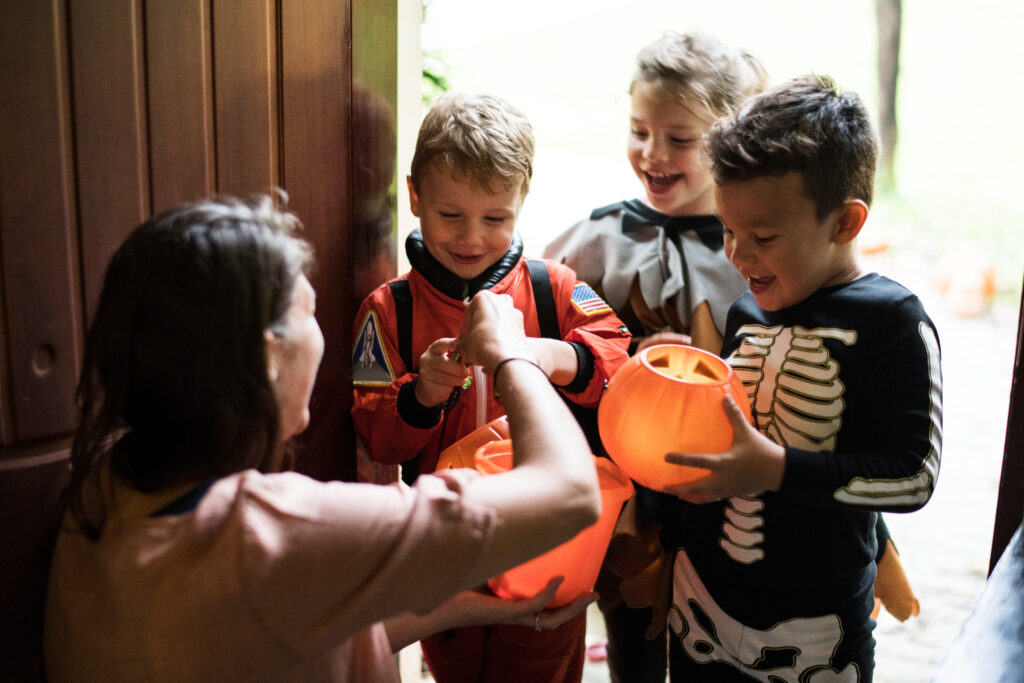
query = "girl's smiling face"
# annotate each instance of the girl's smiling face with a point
(467, 227)
(665, 153)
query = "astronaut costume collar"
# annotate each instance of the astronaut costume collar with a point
(450, 284)
(635, 214)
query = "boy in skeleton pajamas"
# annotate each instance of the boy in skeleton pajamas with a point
(773, 578)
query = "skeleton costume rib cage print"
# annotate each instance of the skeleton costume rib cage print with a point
(779, 585)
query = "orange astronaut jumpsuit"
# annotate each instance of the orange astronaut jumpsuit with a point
(395, 428)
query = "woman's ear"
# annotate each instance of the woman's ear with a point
(273, 351)
(414, 199)
(852, 215)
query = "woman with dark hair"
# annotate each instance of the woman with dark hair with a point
(187, 554)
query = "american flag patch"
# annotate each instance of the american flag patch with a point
(587, 300)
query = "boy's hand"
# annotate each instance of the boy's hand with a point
(664, 338)
(754, 464)
(439, 373)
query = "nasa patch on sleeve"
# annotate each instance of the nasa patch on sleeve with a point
(370, 363)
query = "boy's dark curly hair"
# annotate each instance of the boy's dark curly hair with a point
(804, 125)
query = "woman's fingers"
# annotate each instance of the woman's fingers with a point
(554, 618)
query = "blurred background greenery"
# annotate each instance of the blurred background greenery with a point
(947, 219)
(568, 63)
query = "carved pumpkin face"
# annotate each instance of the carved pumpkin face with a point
(667, 399)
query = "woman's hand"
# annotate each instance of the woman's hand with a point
(492, 329)
(475, 608)
(753, 464)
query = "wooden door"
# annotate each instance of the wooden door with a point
(111, 112)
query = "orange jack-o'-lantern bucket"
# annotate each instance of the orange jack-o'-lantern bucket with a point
(461, 453)
(668, 399)
(578, 559)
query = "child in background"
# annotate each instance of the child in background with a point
(773, 577)
(414, 397)
(659, 263)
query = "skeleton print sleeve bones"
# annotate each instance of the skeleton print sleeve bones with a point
(849, 382)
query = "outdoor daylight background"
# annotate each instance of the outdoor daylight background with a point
(950, 220)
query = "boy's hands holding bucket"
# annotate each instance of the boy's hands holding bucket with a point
(752, 465)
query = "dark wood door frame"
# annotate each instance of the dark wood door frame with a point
(111, 112)
(1010, 504)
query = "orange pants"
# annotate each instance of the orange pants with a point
(500, 653)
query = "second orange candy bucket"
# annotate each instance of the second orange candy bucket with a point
(578, 559)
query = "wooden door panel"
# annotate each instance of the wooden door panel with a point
(245, 95)
(28, 523)
(110, 131)
(113, 111)
(315, 124)
(179, 79)
(39, 260)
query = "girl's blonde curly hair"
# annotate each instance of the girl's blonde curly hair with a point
(698, 69)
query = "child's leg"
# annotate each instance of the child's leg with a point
(682, 668)
(456, 655)
(519, 653)
(631, 657)
(636, 552)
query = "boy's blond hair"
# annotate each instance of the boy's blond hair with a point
(697, 68)
(480, 136)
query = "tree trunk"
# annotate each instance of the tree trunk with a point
(889, 15)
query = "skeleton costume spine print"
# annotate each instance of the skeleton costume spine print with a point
(779, 585)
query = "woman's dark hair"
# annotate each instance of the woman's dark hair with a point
(174, 384)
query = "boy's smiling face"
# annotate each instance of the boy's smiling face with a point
(665, 153)
(774, 238)
(465, 226)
